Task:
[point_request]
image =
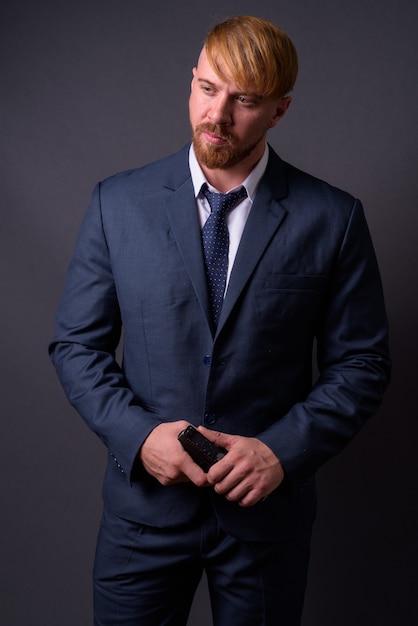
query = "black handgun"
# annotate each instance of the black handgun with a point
(203, 452)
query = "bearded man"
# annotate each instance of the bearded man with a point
(223, 264)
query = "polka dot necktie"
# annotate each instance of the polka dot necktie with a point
(215, 238)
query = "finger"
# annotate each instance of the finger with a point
(219, 471)
(230, 479)
(195, 473)
(245, 494)
(250, 499)
(220, 439)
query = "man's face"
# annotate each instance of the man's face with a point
(229, 126)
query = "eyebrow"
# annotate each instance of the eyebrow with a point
(206, 80)
(240, 92)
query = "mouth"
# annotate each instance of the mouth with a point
(214, 139)
(213, 135)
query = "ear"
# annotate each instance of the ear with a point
(280, 109)
(194, 70)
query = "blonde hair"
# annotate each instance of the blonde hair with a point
(255, 53)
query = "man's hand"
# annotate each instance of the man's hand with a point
(163, 456)
(248, 473)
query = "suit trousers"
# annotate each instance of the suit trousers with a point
(146, 576)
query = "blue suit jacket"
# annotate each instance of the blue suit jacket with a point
(305, 270)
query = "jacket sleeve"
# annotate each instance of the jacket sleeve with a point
(88, 330)
(352, 357)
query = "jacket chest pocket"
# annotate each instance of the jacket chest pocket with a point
(290, 303)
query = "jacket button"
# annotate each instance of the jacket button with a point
(207, 360)
(209, 418)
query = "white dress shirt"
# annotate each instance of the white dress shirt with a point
(237, 217)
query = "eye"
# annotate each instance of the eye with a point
(245, 100)
(207, 89)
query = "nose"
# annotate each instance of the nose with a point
(220, 110)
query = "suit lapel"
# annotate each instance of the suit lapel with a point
(183, 219)
(263, 221)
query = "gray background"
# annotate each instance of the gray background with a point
(90, 88)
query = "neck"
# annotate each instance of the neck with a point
(223, 180)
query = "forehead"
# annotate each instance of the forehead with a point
(205, 71)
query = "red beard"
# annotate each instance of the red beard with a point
(218, 156)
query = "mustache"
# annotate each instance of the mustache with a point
(216, 130)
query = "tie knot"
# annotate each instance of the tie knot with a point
(223, 202)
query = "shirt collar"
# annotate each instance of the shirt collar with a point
(250, 183)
